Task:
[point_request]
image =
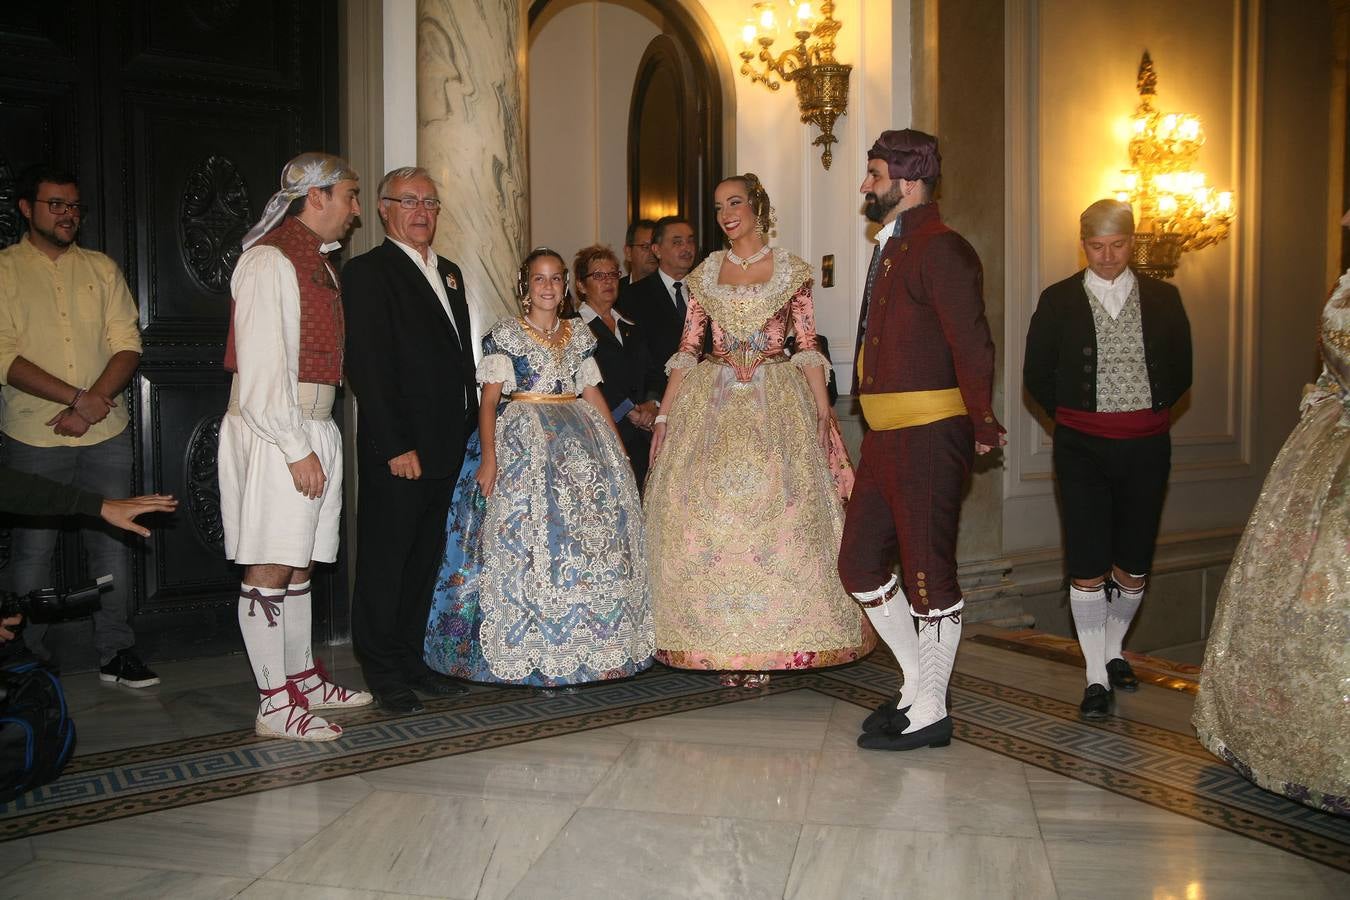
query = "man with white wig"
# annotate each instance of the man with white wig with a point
(1108, 354)
(280, 451)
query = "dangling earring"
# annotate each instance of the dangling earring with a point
(525, 304)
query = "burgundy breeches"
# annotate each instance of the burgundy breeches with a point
(907, 501)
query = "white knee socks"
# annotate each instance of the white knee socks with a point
(1119, 614)
(260, 621)
(939, 634)
(1089, 618)
(895, 626)
(298, 619)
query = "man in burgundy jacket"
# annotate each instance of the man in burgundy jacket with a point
(924, 375)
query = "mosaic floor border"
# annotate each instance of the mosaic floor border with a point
(1163, 768)
(1166, 673)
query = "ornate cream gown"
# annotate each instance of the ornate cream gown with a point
(1273, 694)
(744, 508)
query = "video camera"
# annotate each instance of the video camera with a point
(48, 605)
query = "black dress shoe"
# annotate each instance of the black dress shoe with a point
(887, 718)
(1122, 676)
(437, 685)
(399, 700)
(1096, 702)
(939, 734)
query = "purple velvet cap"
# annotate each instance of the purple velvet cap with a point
(908, 153)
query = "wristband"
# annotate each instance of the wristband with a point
(79, 392)
(659, 420)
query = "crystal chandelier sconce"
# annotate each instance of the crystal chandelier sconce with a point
(822, 83)
(1175, 211)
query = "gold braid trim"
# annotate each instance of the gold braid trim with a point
(742, 309)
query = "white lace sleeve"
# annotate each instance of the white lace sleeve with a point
(495, 368)
(588, 374)
(681, 361)
(808, 358)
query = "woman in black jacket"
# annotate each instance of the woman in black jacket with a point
(632, 377)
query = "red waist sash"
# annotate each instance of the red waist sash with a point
(1137, 423)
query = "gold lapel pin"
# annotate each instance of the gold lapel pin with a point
(886, 264)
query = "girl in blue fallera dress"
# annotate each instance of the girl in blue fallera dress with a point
(544, 581)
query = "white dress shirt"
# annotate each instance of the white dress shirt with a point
(670, 286)
(1110, 294)
(887, 230)
(433, 276)
(588, 314)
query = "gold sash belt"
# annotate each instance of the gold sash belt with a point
(906, 409)
(315, 401)
(533, 397)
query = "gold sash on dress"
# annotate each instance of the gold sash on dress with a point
(907, 409)
(534, 397)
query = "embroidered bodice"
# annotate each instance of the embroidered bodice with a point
(521, 359)
(1335, 379)
(750, 322)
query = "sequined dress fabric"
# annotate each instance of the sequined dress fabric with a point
(744, 508)
(1274, 698)
(545, 582)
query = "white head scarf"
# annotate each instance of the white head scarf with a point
(308, 170)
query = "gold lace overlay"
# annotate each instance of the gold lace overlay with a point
(743, 526)
(742, 309)
(1273, 694)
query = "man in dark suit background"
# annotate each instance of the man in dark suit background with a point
(411, 367)
(638, 259)
(658, 302)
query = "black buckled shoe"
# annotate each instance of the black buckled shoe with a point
(939, 734)
(1122, 676)
(400, 701)
(1096, 702)
(886, 717)
(436, 684)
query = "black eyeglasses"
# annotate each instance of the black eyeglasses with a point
(58, 207)
(646, 246)
(430, 203)
(604, 276)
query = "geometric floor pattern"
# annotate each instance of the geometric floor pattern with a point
(1163, 768)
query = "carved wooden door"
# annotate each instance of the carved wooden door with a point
(176, 116)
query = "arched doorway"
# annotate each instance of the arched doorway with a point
(648, 142)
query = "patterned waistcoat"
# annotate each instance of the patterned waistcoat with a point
(322, 327)
(1122, 369)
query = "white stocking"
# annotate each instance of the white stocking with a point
(1089, 618)
(1119, 614)
(298, 620)
(260, 623)
(896, 629)
(939, 634)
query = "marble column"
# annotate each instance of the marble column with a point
(471, 137)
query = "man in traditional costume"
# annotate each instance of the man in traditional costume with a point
(280, 451)
(1108, 354)
(924, 376)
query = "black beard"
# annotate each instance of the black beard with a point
(877, 208)
(51, 235)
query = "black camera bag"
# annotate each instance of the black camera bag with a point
(37, 735)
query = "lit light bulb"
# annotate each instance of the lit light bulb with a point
(1123, 196)
(767, 20)
(1225, 201)
(1167, 205)
(806, 17)
(748, 33)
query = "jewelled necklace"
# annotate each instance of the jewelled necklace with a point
(749, 260)
(557, 323)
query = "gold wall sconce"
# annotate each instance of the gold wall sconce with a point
(822, 82)
(1175, 211)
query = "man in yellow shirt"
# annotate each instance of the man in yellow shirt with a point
(69, 345)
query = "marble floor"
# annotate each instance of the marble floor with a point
(768, 797)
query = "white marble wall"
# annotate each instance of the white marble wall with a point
(471, 137)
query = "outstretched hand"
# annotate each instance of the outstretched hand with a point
(123, 513)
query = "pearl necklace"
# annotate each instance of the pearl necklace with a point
(557, 323)
(749, 260)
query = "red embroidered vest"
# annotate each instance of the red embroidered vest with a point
(322, 327)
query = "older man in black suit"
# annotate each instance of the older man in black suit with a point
(658, 302)
(411, 366)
